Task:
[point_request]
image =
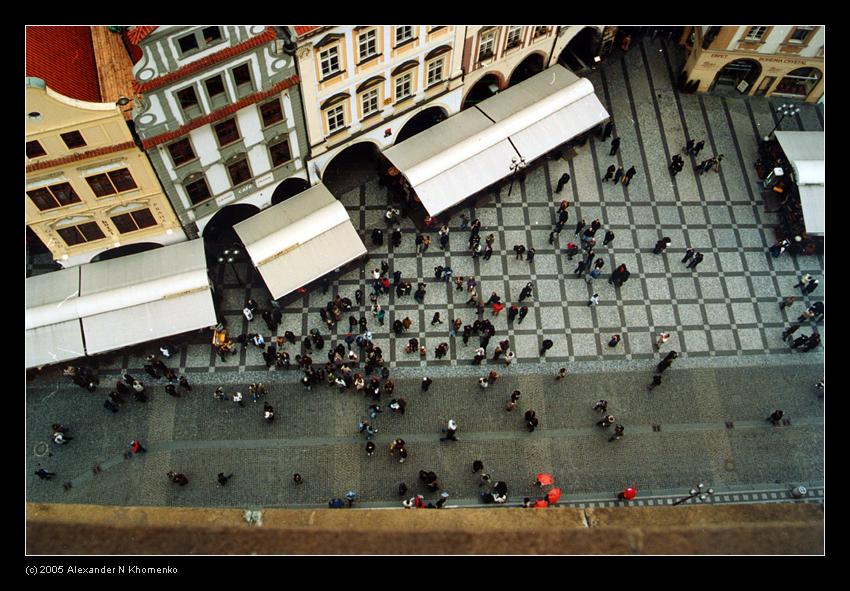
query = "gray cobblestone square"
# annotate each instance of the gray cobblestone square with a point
(657, 289)
(662, 315)
(717, 314)
(690, 314)
(753, 237)
(750, 338)
(684, 288)
(584, 344)
(636, 316)
(725, 238)
(695, 340)
(737, 286)
(743, 313)
(711, 287)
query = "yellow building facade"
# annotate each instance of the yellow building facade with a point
(757, 60)
(89, 188)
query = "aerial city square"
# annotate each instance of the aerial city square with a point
(278, 270)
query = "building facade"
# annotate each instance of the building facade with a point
(364, 83)
(782, 60)
(89, 188)
(218, 110)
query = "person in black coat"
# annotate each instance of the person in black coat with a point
(615, 145)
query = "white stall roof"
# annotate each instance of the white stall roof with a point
(805, 151)
(812, 200)
(53, 331)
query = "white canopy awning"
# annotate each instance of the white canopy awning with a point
(812, 199)
(53, 331)
(117, 303)
(472, 150)
(805, 151)
(300, 240)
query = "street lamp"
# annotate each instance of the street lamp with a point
(227, 256)
(783, 110)
(515, 168)
(696, 492)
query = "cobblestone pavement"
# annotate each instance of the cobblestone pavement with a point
(725, 322)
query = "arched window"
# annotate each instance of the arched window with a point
(798, 83)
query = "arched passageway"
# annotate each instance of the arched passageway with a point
(352, 167)
(420, 122)
(579, 53)
(531, 65)
(122, 251)
(486, 87)
(289, 188)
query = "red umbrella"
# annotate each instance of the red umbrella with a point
(543, 479)
(540, 504)
(628, 494)
(553, 495)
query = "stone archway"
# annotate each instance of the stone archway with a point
(798, 83)
(736, 77)
(219, 232)
(289, 188)
(353, 166)
(531, 65)
(487, 86)
(420, 122)
(122, 251)
(578, 55)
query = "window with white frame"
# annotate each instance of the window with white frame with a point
(487, 45)
(755, 33)
(435, 71)
(336, 118)
(403, 34)
(514, 37)
(367, 45)
(329, 61)
(403, 86)
(369, 102)
(540, 30)
(801, 34)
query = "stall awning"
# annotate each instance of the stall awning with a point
(145, 296)
(300, 240)
(117, 303)
(812, 200)
(473, 149)
(53, 331)
(805, 151)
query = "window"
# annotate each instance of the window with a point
(187, 43)
(211, 35)
(81, 233)
(239, 171)
(329, 61)
(403, 34)
(226, 132)
(755, 33)
(514, 37)
(112, 182)
(53, 196)
(181, 152)
(435, 72)
(133, 221)
(189, 102)
(402, 86)
(197, 190)
(336, 118)
(367, 45)
(73, 139)
(488, 42)
(369, 102)
(242, 77)
(801, 34)
(280, 153)
(216, 92)
(34, 149)
(271, 112)
(538, 31)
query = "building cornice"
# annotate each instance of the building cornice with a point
(80, 156)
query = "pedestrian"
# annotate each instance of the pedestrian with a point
(509, 357)
(562, 373)
(483, 383)
(804, 281)
(531, 421)
(703, 166)
(436, 319)
(565, 178)
(136, 447)
(444, 496)
(662, 338)
(222, 479)
(689, 146)
(519, 249)
(812, 342)
(450, 431)
(811, 286)
(609, 236)
(477, 466)
(614, 340)
(609, 173)
(526, 291)
(629, 174)
(350, 497)
(177, 478)
(512, 312)
(601, 405)
(594, 300)
(606, 421)
(608, 128)
(618, 175)
(688, 254)
(184, 383)
(426, 383)
(545, 346)
(799, 341)
(661, 245)
(698, 257)
(615, 145)
(530, 254)
(618, 433)
(580, 226)
(44, 474)
(171, 390)
(697, 148)
(523, 312)
(775, 417)
(662, 366)
(237, 398)
(656, 381)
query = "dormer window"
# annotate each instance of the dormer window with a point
(199, 40)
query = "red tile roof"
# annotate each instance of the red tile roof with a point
(301, 30)
(202, 64)
(63, 56)
(138, 33)
(218, 114)
(80, 156)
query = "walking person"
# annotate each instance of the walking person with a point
(594, 300)
(804, 281)
(775, 417)
(618, 175)
(688, 254)
(609, 236)
(787, 302)
(698, 148)
(580, 226)
(519, 250)
(222, 479)
(618, 433)
(615, 145)
(609, 173)
(656, 381)
(614, 340)
(689, 146)
(606, 421)
(562, 373)
(545, 346)
(630, 173)
(661, 245)
(44, 474)
(450, 431)
(523, 312)
(698, 257)
(526, 291)
(136, 447)
(811, 286)
(565, 178)
(608, 128)
(426, 383)
(601, 405)
(662, 338)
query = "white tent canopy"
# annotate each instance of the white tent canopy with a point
(805, 151)
(300, 240)
(118, 303)
(473, 149)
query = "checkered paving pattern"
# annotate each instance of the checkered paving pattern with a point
(729, 306)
